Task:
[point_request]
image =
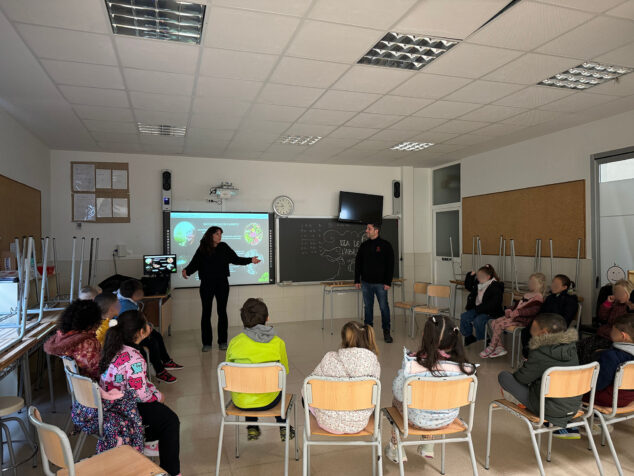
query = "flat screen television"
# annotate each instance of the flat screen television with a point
(360, 207)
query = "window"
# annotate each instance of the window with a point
(446, 185)
(613, 171)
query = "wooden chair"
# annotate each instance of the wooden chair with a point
(434, 293)
(343, 394)
(576, 322)
(267, 377)
(55, 448)
(557, 382)
(419, 289)
(435, 393)
(624, 380)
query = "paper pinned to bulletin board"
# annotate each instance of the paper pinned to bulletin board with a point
(100, 192)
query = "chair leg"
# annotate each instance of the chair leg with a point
(472, 454)
(306, 456)
(81, 439)
(26, 433)
(219, 455)
(69, 422)
(604, 429)
(10, 449)
(594, 448)
(373, 460)
(237, 438)
(442, 456)
(591, 426)
(536, 449)
(550, 445)
(288, 437)
(50, 382)
(488, 454)
(296, 434)
(486, 334)
(379, 459)
(399, 450)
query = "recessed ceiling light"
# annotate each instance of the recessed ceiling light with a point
(158, 19)
(161, 129)
(299, 140)
(412, 146)
(395, 50)
(585, 76)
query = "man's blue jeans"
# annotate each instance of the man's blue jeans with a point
(369, 290)
(471, 319)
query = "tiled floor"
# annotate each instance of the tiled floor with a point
(195, 399)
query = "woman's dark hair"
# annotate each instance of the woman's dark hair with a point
(253, 312)
(440, 333)
(129, 287)
(105, 301)
(79, 315)
(207, 241)
(490, 271)
(128, 324)
(565, 281)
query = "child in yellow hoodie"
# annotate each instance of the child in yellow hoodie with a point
(255, 345)
(110, 307)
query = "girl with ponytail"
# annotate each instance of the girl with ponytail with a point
(441, 355)
(123, 368)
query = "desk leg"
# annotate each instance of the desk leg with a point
(26, 378)
(50, 382)
(332, 311)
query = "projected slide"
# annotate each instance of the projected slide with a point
(249, 234)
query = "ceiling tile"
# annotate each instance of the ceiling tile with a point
(125, 147)
(157, 55)
(468, 139)
(417, 124)
(110, 126)
(296, 7)
(160, 102)
(332, 42)
(623, 56)
(624, 87)
(325, 117)
(309, 130)
(227, 88)
(215, 121)
(345, 100)
(119, 137)
(492, 113)
(367, 13)
(455, 19)
(577, 102)
(444, 148)
(460, 127)
(95, 96)
(374, 145)
(68, 45)
(394, 135)
(208, 136)
(378, 121)
(167, 141)
(483, 92)
(286, 95)
(531, 69)
(372, 79)
(276, 127)
(104, 113)
(500, 129)
(303, 72)
(178, 119)
(534, 96)
(236, 64)
(625, 10)
(82, 74)
(219, 107)
(215, 149)
(353, 132)
(249, 31)
(596, 37)
(527, 25)
(446, 109)
(587, 5)
(272, 112)
(85, 16)
(534, 117)
(434, 136)
(158, 82)
(430, 86)
(398, 105)
(471, 61)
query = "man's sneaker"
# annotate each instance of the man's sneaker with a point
(172, 365)
(567, 434)
(222, 346)
(253, 432)
(206, 348)
(151, 449)
(283, 432)
(498, 352)
(487, 352)
(596, 429)
(387, 337)
(166, 377)
(426, 450)
(390, 453)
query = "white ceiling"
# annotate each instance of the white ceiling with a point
(267, 68)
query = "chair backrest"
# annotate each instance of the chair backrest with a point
(566, 382)
(625, 376)
(70, 364)
(439, 291)
(86, 393)
(576, 322)
(440, 393)
(54, 444)
(420, 288)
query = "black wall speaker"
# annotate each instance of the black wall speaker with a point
(397, 201)
(167, 180)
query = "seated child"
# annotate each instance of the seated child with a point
(75, 337)
(520, 314)
(622, 350)
(88, 293)
(552, 345)
(616, 305)
(355, 358)
(441, 355)
(123, 367)
(483, 303)
(255, 345)
(110, 309)
(130, 294)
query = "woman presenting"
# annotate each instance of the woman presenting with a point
(211, 260)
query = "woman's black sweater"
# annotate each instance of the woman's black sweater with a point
(214, 266)
(491, 300)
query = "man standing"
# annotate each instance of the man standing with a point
(373, 272)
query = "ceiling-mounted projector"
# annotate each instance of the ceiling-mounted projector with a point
(223, 191)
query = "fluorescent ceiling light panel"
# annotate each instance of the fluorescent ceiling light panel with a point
(299, 140)
(161, 129)
(585, 76)
(412, 146)
(157, 19)
(395, 50)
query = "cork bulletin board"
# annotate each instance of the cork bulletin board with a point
(555, 211)
(100, 192)
(23, 217)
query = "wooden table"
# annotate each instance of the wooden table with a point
(158, 310)
(119, 461)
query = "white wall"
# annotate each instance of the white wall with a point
(423, 244)
(314, 188)
(25, 159)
